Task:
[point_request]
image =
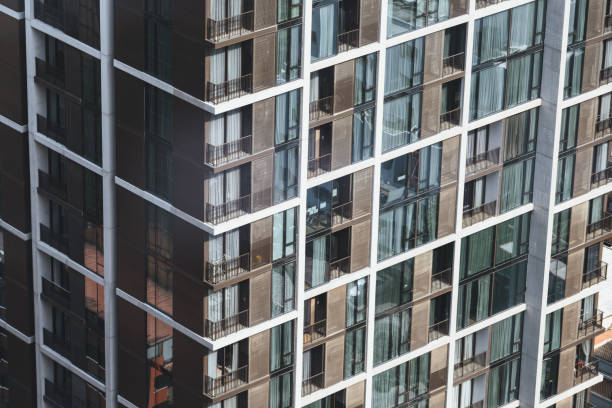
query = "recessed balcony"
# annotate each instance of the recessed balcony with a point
(438, 330)
(600, 227)
(217, 213)
(234, 88)
(223, 29)
(321, 108)
(50, 73)
(584, 371)
(605, 75)
(313, 383)
(479, 213)
(51, 129)
(450, 119)
(470, 365)
(225, 269)
(226, 381)
(342, 213)
(348, 40)
(217, 155)
(590, 325)
(441, 280)
(315, 331)
(52, 186)
(58, 241)
(482, 161)
(599, 178)
(319, 165)
(595, 276)
(228, 325)
(453, 64)
(55, 293)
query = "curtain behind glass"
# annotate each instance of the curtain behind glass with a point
(491, 37)
(512, 187)
(363, 132)
(521, 33)
(487, 93)
(607, 62)
(324, 31)
(365, 79)
(518, 80)
(573, 71)
(401, 121)
(477, 255)
(404, 66)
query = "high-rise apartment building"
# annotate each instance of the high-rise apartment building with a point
(303, 203)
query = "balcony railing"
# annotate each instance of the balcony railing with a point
(450, 119)
(57, 241)
(482, 161)
(342, 213)
(480, 213)
(605, 75)
(590, 325)
(315, 331)
(593, 277)
(441, 280)
(339, 267)
(585, 371)
(348, 40)
(470, 365)
(313, 383)
(321, 108)
(226, 382)
(50, 73)
(602, 126)
(55, 292)
(230, 27)
(486, 3)
(438, 330)
(50, 129)
(601, 177)
(216, 155)
(599, 228)
(226, 326)
(52, 185)
(227, 211)
(453, 64)
(231, 89)
(226, 268)
(319, 165)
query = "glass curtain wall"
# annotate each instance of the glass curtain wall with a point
(406, 384)
(405, 16)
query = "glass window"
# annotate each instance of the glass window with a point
(506, 337)
(365, 79)
(577, 21)
(284, 234)
(552, 331)
(324, 29)
(285, 173)
(287, 117)
(487, 92)
(569, 127)
(281, 346)
(318, 208)
(354, 351)
(550, 374)
(405, 16)
(401, 121)
(512, 238)
(573, 71)
(565, 178)
(394, 286)
(288, 10)
(281, 390)
(158, 140)
(288, 54)
(283, 288)
(491, 37)
(477, 252)
(560, 233)
(404, 66)
(509, 286)
(517, 184)
(363, 135)
(504, 383)
(474, 301)
(158, 38)
(402, 384)
(356, 302)
(160, 273)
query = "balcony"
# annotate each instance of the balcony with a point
(50, 73)
(441, 280)
(470, 365)
(315, 331)
(450, 119)
(226, 268)
(227, 211)
(348, 40)
(55, 293)
(50, 129)
(226, 326)
(321, 108)
(453, 64)
(590, 325)
(593, 277)
(319, 165)
(234, 88)
(585, 371)
(230, 27)
(313, 383)
(482, 161)
(57, 241)
(605, 76)
(227, 152)
(599, 228)
(59, 345)
(601, 177)
(480, 213)
(342, 213)
(339, 267)
(52, 186)
(438, 330)
(214, 387)
(602, 126)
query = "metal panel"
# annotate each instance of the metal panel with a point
(342, 133)
(422, 274)
(446, 211)
(259, 355)
(258, 395)
(434, 49)
(262, 176)
(566, 368)
(578, 223)
(595, 18)
(259, 299)
(264, 57)
(368, 21)
(582, 172)
(419, 329)
(591, 66)
(263, 124)
(334, 361)
(336, 310)
(573, 278)
(360, 246)
(362, 192)
(450, 160)
(458, 7)
(430, 122)
(265, 14)
(586, 123)
(569, 327)
(355, 395)
(261, 242)
(343, 86)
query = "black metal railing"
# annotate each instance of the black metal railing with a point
(315, 331)
(230, 27)
(470, 365)
(480, 213)
(441, 280)
(584, 371)
(450, 119)
(321, 108)
(599, 228)
(226, 382)
(234, 88)
(226, 268)
(319, 165)
(313, 383)
(594, 276)
(217, 213)
(55, 292)
(342, 213)
(438, 330)
(590, 325)
(601, 177)
(482, 161)
(339, 267)
(348, 40)
(50, 73)
(605, 75)
(602, 126)
(216, 155)
(56, 240)
(226, 326)
(453, 64)
(52, 185)
(50, 129)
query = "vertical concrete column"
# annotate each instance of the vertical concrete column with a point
(555, 44)
(108, 193)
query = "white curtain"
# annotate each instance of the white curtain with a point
(314, 86)
(232, 298)
(234, 125)
(307, 365)
(234, 61)
(385, 235)
(235, 7)
(218, 9)
(217, 66)
(215, 248)
(518, 80)
(232, 184)
(604, 106)
(232, 244)
(466, 394)
(215, 306)
(217, 130)
(601, 157)
(521, 33)
(324, 31)
(319, 260)
(493, 40)
(215, 189)
(488, 91)
(512, 186)
(608, 54)
(212, 364)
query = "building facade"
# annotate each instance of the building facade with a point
(303, 203)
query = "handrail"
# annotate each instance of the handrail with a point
(50, 72)
(590, 324)
(342, 213)
(605, 75)
(450, 118)
(57, 241)
(482, 161)
(315, 331)
(438, 330)
(226, 152)
(230, 27)
(339, 267)
(313, 383)
(52, 185)
(226, 382)
(348, 40)
(469, 365)
(453, 63)
(226, 268)
(600, 227)
(584, 372)
(479, 213)
(441, 279)
(602, 124)
(601, 177)
(598, 274)
(321, 108)
(226, 211)
(228, 325)
(319, 165)
(234, 88)
(54, 291)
